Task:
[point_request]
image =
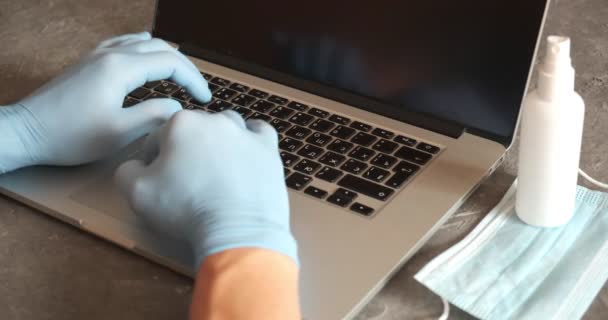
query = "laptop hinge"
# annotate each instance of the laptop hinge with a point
(421, 120)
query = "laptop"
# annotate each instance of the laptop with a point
(390, 114)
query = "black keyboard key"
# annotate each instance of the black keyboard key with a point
(258, 93)
(243, 100)
(428, 148)
(213, 87)
(260, 116)
(322, 125)
(343, 193)
(365, 187)
(339, 119)
(319, 139)
(383, 133)
(139, 93)
(362, 153)
(342, 202)
(280, 125)
(200, 104)
(167, 88)
(278, 100)
(340, 146)
(239, 87)
(376, 174)
(307, 166)
(262, 106)
(318, 113)
(157, 95)
(406, 167)
(129, 102)
(297, 106)
(225, 94)
(192, 106)
(329, 174)
(288, 159)
(405, 140)
(311, 152)
(332, 159)
(152, 84)
(182, 95)
(286, 172)
(384, 161)
(220, 82)
(298, 132)
(281, 112)
(385, 146)
(302, 119)
(316, 192)
(219, 105)
(363, 139)
(297, 181)
(342, 132)
(354, 166)
(184, 104)
(206, 76)
(413, 155)
(398, 179)
(290, 145)
(361, 126)
(244, 112)
(362, 209)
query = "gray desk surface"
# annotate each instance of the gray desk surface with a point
(49, 270)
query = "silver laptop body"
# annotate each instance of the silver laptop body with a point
(346, 257)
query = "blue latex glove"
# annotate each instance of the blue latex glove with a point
(214, 181)
(78, 117)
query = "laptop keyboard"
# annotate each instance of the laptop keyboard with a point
(327, 156)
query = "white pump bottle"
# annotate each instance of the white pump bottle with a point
(550, 142)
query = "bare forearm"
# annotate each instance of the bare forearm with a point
(246, 284)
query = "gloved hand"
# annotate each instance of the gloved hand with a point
(78, 117)
(214, 181)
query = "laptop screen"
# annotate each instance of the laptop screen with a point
(465, 61)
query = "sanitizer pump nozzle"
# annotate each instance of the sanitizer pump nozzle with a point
(556, 76)
(550, 142)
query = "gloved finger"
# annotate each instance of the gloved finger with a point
(153, 45)
(121, 39)
(147, 116)
(127, 175)
(265, 130)
(150, 45)
(155, 66)
(235, 117)
(132, 180)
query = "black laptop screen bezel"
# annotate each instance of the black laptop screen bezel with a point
(423, 120)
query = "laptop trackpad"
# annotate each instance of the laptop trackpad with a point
(102, 195)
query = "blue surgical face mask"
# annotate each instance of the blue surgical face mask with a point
(506, 269)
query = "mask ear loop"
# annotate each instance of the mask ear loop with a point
(446, 310)
(591, 180)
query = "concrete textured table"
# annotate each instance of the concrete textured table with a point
(49, 270)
